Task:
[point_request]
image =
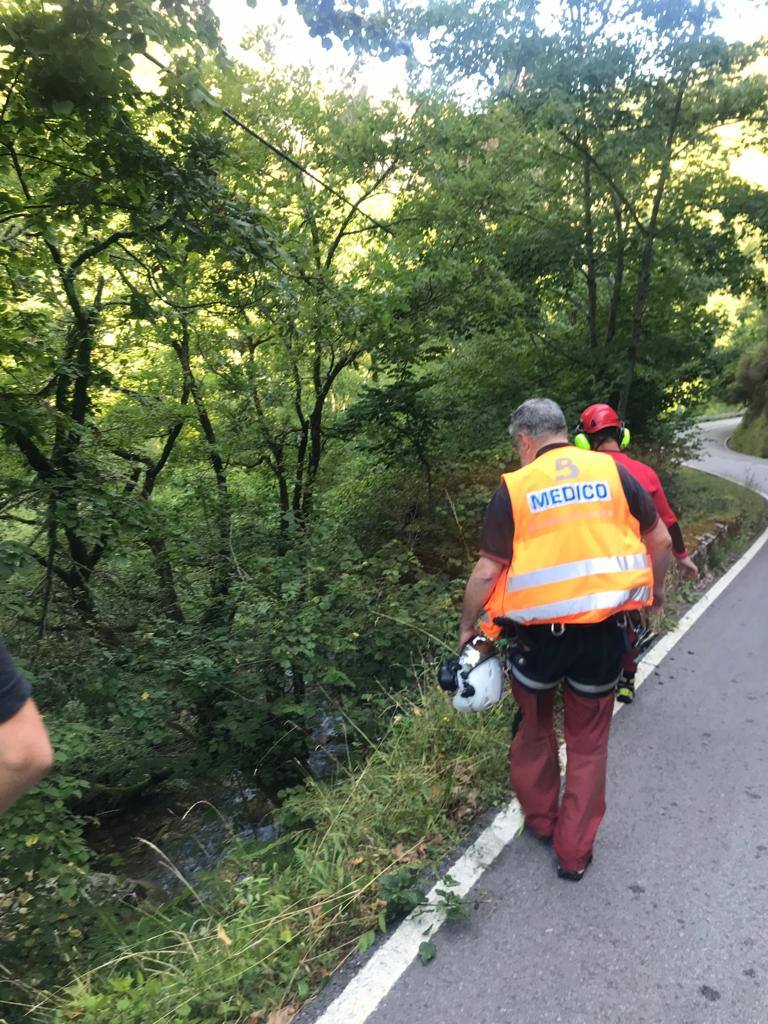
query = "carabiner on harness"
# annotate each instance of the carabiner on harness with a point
(557, 629)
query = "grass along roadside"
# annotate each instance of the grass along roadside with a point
(252, 940)
(718, 409)
(270, 925)
(706, 501)
(720, 519)
(751, 437)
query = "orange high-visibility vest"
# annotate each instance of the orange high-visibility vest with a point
(577, 555)
(494, 606)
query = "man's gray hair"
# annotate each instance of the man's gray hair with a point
(539, 417)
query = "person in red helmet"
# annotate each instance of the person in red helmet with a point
(601, 430)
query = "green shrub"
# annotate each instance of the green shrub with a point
(270, 924)
(43, 868)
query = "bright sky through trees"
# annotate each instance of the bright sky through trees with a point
(743, 20)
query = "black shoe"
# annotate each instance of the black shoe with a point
(625, 692)
(573, 876)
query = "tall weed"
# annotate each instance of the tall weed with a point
(273, 921)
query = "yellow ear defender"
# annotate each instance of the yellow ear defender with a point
(581, 440)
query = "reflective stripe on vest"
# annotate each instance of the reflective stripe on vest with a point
(577, 555)
(573, 570)
(558, 610)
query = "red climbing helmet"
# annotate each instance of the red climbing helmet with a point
(599, 417)
(596, 418)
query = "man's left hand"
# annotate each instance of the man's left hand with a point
(688, 568)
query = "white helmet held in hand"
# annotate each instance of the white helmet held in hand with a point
(479, 677)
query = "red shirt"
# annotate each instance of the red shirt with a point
(649, 478)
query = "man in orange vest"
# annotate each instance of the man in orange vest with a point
(570, 544)
(601, 430)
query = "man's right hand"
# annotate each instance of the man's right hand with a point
(479, 588)
(688, 567)
(465, 635)
(659, 599)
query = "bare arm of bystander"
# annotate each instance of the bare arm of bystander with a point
(25, 753)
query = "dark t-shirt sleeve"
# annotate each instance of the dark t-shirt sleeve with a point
(498, 528)
(15, 691)
(639, 500)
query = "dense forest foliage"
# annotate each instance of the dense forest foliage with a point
(750, 387)
(259, 344)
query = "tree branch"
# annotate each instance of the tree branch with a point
(11, 88)
(53, 249)
(98, 247)
(356, 206)
(585, 151)
(173, 434)
(62, 575)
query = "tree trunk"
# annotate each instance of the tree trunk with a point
(589, 246)
(618, 274)
(168, 594)
(644, 280)
(219, 611)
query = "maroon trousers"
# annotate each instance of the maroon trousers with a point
(535, 774)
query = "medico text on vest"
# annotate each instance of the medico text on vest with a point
(568, 494)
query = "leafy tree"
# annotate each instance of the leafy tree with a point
(254, 331)
(81, 179)
(622, 103)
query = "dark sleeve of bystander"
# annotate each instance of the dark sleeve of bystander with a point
(15, 690)
(498, 528)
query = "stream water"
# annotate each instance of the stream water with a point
(183, 830)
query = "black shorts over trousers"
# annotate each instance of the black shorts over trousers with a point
(587, 657)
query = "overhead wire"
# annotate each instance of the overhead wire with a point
(277, 150)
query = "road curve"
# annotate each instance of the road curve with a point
(715, 457)
(669, 924)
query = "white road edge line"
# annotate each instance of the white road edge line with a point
(660, 650)
(373, 981)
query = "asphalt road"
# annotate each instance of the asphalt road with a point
(716, 458)
(669, 924)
